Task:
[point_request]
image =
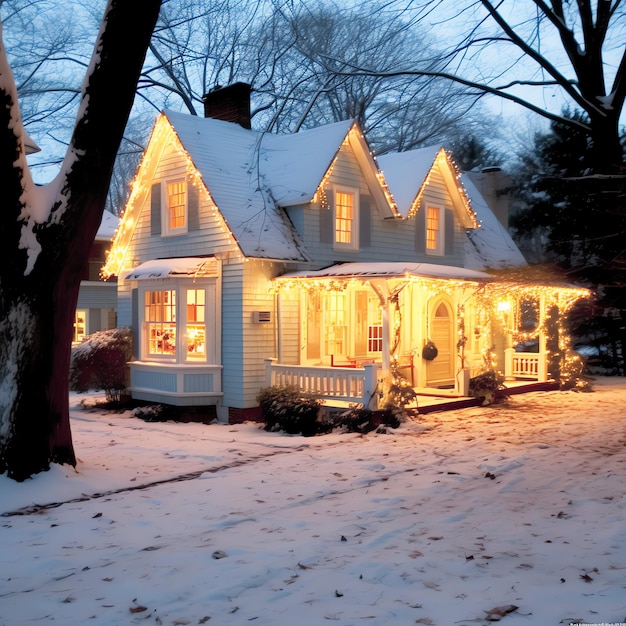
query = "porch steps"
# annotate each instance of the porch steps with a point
(431, 404)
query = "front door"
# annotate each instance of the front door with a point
(440, 371)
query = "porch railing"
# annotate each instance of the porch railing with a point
(342, 384)
(531, 365)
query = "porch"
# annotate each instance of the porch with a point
(341, 386)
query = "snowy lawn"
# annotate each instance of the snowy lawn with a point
(513, 513)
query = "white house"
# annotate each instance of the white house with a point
(246, 259)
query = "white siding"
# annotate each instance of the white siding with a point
(290, 327)
(259, 340)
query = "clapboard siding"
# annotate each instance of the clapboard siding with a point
(259, 339)
(232, 334)
(290, 327)
(97, 295)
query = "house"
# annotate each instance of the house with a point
(97, 299)
(246, 259)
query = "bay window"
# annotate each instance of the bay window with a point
(175, 323)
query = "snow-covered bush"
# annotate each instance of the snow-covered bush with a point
(285, 409)
(100, 362)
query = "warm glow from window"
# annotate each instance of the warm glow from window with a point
(335, 328)
(344, 217)
(196, 330)
(176, 203)
(80, 326)
(375, 327)
(160, 321)
(433, 227)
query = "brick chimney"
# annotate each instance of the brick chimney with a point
(231, 104)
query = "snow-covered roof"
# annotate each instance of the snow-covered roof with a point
(405, 173)
(168, 268)
(108, 226)
(490, 246)
(394, 269)
(258, 174)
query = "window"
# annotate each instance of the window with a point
(178, 323)
(160, 322)
(346, 211)
(375, 325)
(80, 327)
(196, 328)
(336, 330)
(434, 230)
(175, 215)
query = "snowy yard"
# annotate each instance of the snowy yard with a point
(513, 513)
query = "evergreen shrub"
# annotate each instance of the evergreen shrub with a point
(285, 409)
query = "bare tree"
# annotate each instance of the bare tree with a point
(512, 48)
(46, 238)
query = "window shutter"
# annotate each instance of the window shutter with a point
(134, 321)
(420, 231)
(365, 222)
(155, 209)
(193, 206)
(449, 232)
(327, 230)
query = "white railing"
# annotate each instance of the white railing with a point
(531, 365)
(346, 384)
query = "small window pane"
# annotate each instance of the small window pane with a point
(176, 203)
(344, 217)
(433, 226)
(160, 321)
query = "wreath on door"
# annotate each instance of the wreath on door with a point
(429, 352)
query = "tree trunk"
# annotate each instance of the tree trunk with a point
(46, 237)
(606, 148)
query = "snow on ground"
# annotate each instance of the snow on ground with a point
(440, 522)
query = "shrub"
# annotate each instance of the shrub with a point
(100, 362)
(358, 419)
(485, 385)
(285, 409)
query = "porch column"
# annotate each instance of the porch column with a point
(542, 366)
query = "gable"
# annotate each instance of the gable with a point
(408, 175)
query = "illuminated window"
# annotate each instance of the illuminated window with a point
(196, 327)
(160, 322)
(176, 208)
(346, 219)
(335, 328)
(375, 339)
(80, 326)
(433, 230)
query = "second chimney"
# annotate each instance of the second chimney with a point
(230, 104)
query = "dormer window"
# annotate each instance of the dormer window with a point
(175, 202)
(434, 230)
(346, 218)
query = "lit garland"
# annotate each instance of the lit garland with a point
(443, 159)
(430, 286)
(162, 135)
